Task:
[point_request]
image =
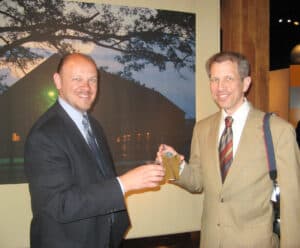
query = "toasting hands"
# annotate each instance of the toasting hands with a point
(165, 149)
(153, 174)
(171, 161)
(142, 177)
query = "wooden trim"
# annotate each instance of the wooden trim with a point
(245, 28)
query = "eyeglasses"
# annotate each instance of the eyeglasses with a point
(226, 80)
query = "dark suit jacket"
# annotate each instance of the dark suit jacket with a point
(298, 133)
(73, 204)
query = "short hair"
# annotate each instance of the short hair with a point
(242, 62)
(68, 56)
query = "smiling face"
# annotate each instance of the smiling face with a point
(77, 81)
(226, 85)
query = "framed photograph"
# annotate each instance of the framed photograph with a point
(146, 62)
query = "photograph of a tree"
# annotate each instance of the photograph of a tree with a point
(31, 30)
(147, 61)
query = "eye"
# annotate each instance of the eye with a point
(229, 79)
(93, 80)
(77, 79)
(214, 80)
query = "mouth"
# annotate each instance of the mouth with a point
(84, 95)
(223, 97)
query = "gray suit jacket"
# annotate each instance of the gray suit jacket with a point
(73, 204)
(238, 213)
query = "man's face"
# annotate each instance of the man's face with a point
(77, 82)
(226, 86)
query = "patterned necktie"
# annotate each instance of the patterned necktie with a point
(225, 147)
(91, 140)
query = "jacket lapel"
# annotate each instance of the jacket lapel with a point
(214, 134)
(106, 159)
(76, 137)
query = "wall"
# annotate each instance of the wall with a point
(168, 210)
(282, 100)
(279, 92)
(294, 104)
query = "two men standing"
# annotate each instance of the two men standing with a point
(78, 201)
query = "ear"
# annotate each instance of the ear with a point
(246, 84)
(57, 80)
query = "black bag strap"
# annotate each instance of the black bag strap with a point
(269, 147)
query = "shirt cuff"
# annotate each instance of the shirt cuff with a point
(121, 185)
(181, 166)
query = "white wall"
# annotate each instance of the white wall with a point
(15, 216)
(168, 210)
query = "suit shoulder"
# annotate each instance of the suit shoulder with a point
(207, 121)
(277, 124)
(47, 123)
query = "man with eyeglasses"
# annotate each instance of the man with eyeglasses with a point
(228, 163)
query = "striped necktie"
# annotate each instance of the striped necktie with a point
(91, 140)
(225, 148)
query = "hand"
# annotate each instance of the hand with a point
(143, 176)
(164, 149)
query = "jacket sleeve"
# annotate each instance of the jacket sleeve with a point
(191, 176)
(59, 189)
(288, 168)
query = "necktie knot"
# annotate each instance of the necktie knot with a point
(228, 121)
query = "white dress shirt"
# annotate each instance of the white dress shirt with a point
(239, 120)
(74, 114)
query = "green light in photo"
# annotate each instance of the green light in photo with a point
(52, 94)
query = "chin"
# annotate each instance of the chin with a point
(84, 108)
(222, 105)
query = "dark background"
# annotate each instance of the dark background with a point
(284, 36)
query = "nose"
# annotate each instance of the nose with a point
(221, 84)
(85, 84)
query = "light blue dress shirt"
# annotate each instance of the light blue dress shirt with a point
(77, 116)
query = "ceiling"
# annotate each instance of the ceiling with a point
(284, 31)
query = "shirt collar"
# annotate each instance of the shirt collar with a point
(241, 113)
(74, 113)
